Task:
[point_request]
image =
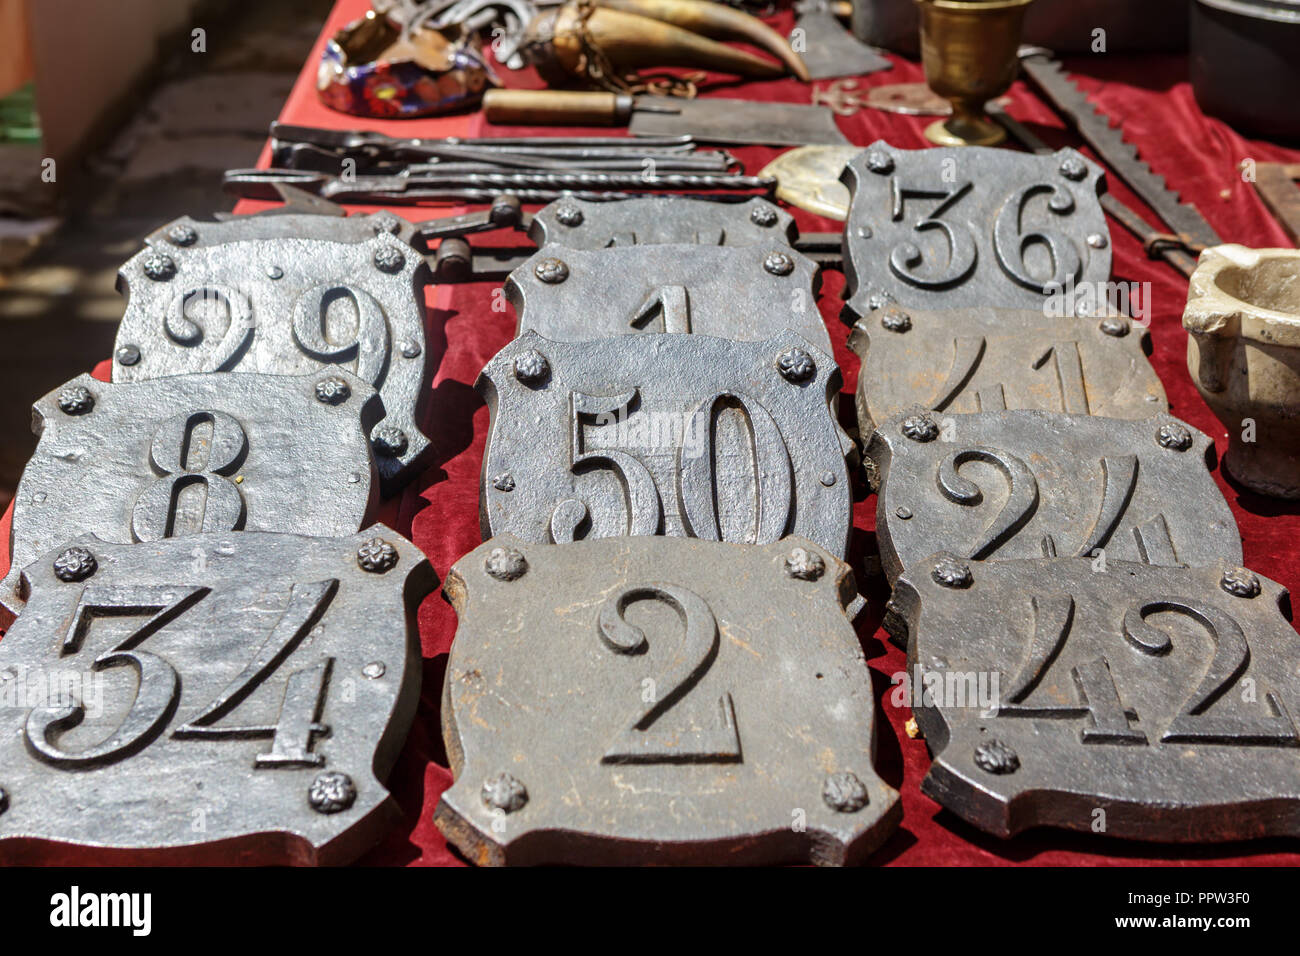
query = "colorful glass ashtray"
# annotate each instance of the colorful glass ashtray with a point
(378, 68)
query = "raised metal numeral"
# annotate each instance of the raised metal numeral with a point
(905, 256)
(196, 453)
(1010, 243)
(1022, 494)
(369, 345)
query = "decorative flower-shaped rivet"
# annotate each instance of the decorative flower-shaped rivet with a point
(331, 792)
(377, 556)
(895, 319)
(332, 390)
(182, 235)
(389, 259)
(880, 162)
(390, 441)
(76, 400)
(796, 365)
(75, 564)
(504, 792)
(763, 215)
(1072, 167)
(552, 271)
(568, 214)
(159, 266)
(993, 756)
(920, 428)
(1241, 582)
(506, 564)
(1115, 326)
(778, 263)
(844, 792)
(1174, 435)
(531, 367)
(804, 564)
(951, 571)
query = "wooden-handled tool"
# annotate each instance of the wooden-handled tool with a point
(721, 121)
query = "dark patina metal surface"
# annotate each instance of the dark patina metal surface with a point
(973, 360)
(740, 292)
(1028, 484)
(180, 455)
(657, 700)
(286, 295)
(582, 224)
(684, 435)
(225, 698)
(1142, 702)
(971, 226)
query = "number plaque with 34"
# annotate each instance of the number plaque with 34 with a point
(217, 698)
(971, 226)
(1141, 702)
(659, 700)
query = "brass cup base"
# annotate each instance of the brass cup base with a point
(965, 131)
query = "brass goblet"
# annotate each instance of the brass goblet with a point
(968, 48)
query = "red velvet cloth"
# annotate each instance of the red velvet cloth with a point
(1151, 98)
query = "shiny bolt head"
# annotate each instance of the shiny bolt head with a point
(504, 792)
(796, 365)
(552, 271)
(504, 482)
(903, 513)
(778, 263)
(506, 564)
(950, 571)
(1240, 582)
(1114, 326)
(159, 266)
(374, 670)
(390, 441)
(895, 319)
(128, 355)
(332, 390)
(844, 792)
(75, 564)
(410, 348)
(274, 272)
(1074, 168)
(1097, 240)
(763, 215)
(828, 478)
(920, 428)
(331, 792)
(1174, 436)
(804, 565)
(377, 556)
(76, 400)
(531, 367)
(182, 235)
(993, 756)
(567, 214)
(878, 299)
(880, 162)
(389, 259)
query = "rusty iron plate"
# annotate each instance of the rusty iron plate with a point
(747, 292)
(658, 700)
(1142, 702)
(177, 456)
(988, 360)
(226, 698)
(654, 220)
(971, 226)
(286, 295)
(684, 435)
(1027, 484)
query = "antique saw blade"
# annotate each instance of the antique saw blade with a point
(1120, 156)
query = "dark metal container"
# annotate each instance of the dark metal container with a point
(1245, 64)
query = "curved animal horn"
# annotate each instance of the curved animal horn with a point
(718, 22)
(631, 41)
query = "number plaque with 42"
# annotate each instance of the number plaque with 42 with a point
(183, 700)
(659, 700)
(1143, 702)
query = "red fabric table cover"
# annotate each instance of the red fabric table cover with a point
(1151, 99)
